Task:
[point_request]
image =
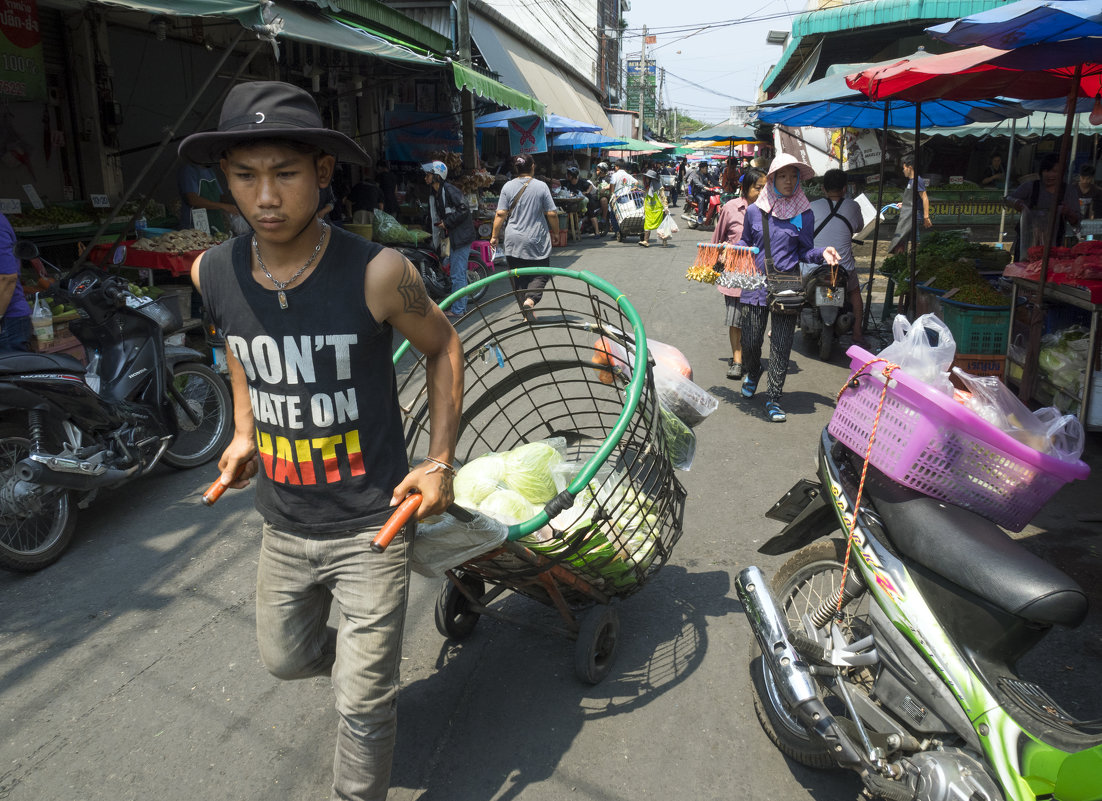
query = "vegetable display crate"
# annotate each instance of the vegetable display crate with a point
(175, 263)
(617, 520)
(928, 442)
(976, 329)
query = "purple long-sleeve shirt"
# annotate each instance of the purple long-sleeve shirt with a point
(787, 244)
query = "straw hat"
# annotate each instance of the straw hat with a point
(788, 160)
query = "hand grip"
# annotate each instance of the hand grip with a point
(217, 488)
(398, 518)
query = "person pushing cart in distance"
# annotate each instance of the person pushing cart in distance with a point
(309, 312)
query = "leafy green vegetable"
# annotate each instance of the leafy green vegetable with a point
(507, 506)
(680, 439)
(477, 479)
(528, 471)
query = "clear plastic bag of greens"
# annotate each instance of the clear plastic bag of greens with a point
(924, 350)
(391, 232)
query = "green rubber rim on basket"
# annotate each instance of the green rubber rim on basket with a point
(633, 391)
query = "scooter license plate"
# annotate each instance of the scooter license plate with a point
(825, 296)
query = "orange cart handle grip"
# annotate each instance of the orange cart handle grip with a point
(217, 488)
(398, 518)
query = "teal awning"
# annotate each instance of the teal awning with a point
(853, 16)
(285, 20)
(409, 31)
(484, 86)
(187, 8)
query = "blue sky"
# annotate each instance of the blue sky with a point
(730, 60)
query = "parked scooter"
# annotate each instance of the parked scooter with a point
(67, 430)
(827, 313)
(911, 682)
(436, 272)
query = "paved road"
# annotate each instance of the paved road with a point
(129, 670)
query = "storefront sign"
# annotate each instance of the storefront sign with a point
(809, 145)
(414, 136)
(22, 76)
(527, 135)
(100, 201)
(10, 205)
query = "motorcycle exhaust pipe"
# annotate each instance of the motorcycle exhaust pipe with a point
(789, 670)
(39, 473)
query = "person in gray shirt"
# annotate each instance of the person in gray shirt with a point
(527, 215)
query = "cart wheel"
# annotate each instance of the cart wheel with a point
(619, 237)
(453, 616)
(598, 635)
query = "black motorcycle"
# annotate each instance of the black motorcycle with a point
(828, 313)
(436, 271)
(68, 430)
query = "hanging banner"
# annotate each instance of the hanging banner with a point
(413, 135)
(22, 76)
(855, 147)
(809, 145)
(527, 135)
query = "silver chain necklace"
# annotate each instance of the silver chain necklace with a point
(282, 285)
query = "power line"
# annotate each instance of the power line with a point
(703, 88)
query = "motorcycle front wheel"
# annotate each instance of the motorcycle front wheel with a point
(812, 575)
(34, 529)
(206, 394)
(476, 271)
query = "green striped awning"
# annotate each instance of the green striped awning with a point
(851, 16)
(484, 86)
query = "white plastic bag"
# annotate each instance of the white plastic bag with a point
(665, 228)
(444, 542)
(1045, 430)
(925, 350)
(686, 399)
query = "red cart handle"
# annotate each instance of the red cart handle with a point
(217, 488)
(398, 518)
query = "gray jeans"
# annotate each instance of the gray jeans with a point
(297, 580)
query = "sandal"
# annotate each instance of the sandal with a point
(734, 370)
(775, 412)
(749, 387)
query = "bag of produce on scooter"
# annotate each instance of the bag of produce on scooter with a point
(924, 350)
(1046, 430)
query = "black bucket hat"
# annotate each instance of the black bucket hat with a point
(270, 110)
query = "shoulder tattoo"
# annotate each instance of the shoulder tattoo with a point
(412, 289)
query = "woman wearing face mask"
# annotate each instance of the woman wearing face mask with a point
(729, 231)
(784, 207)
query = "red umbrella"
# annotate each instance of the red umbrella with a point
(1036, 72)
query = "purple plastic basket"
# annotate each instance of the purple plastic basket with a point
(934, 445)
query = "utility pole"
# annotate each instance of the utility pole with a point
(642, 83)
(661, 89)
(466, 100)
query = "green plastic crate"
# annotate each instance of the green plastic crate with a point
(976, 329)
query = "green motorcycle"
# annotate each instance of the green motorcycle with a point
(909, 677)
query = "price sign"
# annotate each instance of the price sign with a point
(11, 205)
(956, 179)
(100, 201)
(32, 195)
(200, 220)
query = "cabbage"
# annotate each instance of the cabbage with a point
(477, 479)
(507, 506)
(528, 471)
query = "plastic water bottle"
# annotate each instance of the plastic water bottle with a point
(42, 321)
(140, 225)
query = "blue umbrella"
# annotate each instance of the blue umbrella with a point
(573, 140)
(830, 103)
(552, 122)
(1023, 23)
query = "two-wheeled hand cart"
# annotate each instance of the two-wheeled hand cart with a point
(614, 526)
(627, 210)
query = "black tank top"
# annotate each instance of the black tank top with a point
(321, 382)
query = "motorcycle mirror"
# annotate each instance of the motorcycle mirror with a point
(25, 250)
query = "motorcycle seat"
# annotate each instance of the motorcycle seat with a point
(11, 363)
(975, 554)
